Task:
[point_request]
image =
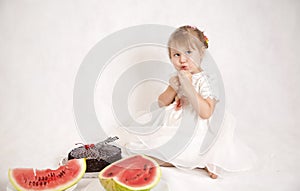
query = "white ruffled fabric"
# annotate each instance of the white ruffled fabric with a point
(227, 154)
(205, 83)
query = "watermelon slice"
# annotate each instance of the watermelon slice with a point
(136, 173)
(60, 179)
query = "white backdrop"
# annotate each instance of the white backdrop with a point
(254, 43)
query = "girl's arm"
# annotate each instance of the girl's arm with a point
(167, 97)
(204, 107)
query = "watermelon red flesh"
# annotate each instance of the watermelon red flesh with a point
(136, 171)
(48, 179)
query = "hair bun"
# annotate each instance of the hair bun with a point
(199, 34)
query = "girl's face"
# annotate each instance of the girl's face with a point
(188, 59)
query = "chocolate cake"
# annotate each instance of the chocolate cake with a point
(98, 156)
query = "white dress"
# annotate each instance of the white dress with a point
(227, 154)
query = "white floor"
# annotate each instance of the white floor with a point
(276, 170)
(269, 177)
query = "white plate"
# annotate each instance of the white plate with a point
(11, 188)
(95, 185)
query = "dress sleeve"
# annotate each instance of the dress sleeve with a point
(207, 87)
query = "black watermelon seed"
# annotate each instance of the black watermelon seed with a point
(151, 169)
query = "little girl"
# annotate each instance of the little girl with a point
(191, 91)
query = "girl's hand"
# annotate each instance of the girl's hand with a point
(178, 103)
(185, 75)
(185, 79)
(174, 82)
(181, 102)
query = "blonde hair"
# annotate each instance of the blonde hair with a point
(187, 36)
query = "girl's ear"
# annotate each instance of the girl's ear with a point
(203, 49)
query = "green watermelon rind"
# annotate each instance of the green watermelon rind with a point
(111, 184)
(82, 163)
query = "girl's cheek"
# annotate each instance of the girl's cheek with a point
(174, 64)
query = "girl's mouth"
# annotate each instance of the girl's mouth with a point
(183, 68)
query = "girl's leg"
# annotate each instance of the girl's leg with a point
(212, 175)
(166, 164)
(161, 162)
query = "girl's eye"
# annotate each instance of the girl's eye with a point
(176, 55)
(188, 52)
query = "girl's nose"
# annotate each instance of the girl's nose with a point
(183, 58)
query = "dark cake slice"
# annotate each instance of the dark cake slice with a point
(97, 156)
